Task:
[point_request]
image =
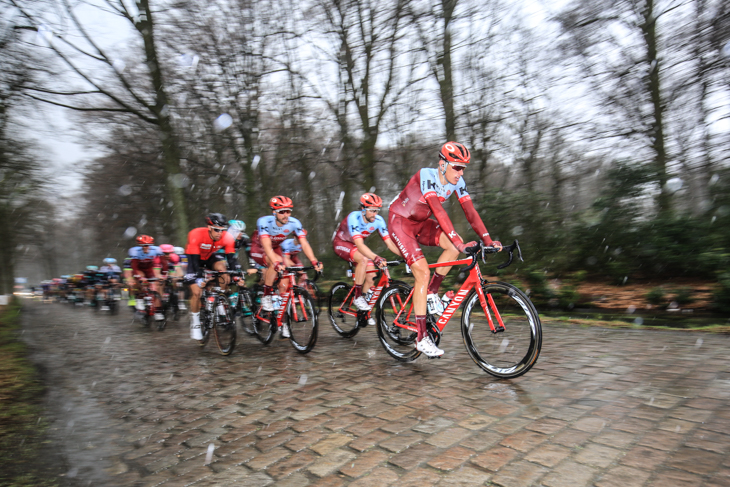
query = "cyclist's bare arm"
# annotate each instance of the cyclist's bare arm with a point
(307, 249)
(364, 249)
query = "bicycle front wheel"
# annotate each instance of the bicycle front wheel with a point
(509, 353)
(246, 310)
(342, 313)
(224, 326)
(399, 342)
(301, 318)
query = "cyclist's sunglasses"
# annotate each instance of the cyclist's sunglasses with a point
(217, 230)
(374, 210)
(283, 212)
(457, 168)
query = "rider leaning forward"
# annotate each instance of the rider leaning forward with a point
(349, 244)
(202, 253)
(271, 231)
(410, 227)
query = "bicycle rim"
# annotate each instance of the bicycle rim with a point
(224, 327)
(398, 342)
(343, 317)
(302, 320)
(509, 353)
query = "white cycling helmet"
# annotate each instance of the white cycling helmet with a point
(179, 250)
(110, 260)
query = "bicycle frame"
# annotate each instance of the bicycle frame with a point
(473, 281)
(286, 299)
(376, 290)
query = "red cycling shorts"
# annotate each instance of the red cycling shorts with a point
(345, 250)
(259, 256)
(409, 235)
(146, 272)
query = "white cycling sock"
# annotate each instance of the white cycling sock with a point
(195, 321)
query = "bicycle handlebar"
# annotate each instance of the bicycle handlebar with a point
(475, 250)
(302, 269)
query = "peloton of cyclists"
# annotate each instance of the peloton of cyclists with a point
(410, 227)
(271, 231)
(202, 252)
(349, 244)
(147, 261)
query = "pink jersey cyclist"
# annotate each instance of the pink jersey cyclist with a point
(411, 226)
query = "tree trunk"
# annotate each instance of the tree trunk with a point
(648, 30)
(446, 82)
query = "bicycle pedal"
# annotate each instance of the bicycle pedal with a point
(498, 328)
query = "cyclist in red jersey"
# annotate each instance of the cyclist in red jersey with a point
(147, 261)
(410, 227)
(349, 244)
(271, 231)
(202, 253)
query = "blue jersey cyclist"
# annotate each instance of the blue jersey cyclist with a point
(349, 244)
(271, 231)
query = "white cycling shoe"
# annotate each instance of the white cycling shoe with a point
(159, 317)
(371, 321)
(195, 332)
(429, 348)
(285, 333)
(361, 304)
(267, 303)
(434, 304)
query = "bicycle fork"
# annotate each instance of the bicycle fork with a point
(487, 302)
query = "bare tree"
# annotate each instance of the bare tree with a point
(101, 84)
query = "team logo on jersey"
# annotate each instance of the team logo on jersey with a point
(286, 230)
(205, 246)
(430, 185)
(371, 229)
(452, 234)
(448, 193)
(462, 191)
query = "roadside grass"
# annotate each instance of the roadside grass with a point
(21, 423)
(687, 325)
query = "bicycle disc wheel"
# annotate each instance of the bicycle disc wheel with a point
(343, 316)
(246, 311)
(509, 353)
(224, 326)
(301, 317)
(398, 342)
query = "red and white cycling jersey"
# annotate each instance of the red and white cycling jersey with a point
(411, 202)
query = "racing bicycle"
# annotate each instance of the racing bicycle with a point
(500, 326)
(344, 316)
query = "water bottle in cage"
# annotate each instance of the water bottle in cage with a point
(221, 309)
(277, 301)
(209, 303)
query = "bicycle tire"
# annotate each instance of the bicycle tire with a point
(506, 354)
(398, 342)
(224, 326)
(304, 329)
(344, 324)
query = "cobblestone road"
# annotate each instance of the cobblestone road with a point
(602, 407)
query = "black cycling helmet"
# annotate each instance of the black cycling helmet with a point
(217, 220)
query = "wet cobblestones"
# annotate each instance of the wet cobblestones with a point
(604, 407)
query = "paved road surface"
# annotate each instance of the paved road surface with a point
(602, 407)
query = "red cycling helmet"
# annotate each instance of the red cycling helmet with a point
(281, 203)
(455, 152)
(145, 240)
(167, 248)
(371, 200)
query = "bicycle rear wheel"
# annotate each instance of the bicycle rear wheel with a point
(301, 317)
(398, 342)
(224, 326)
(509, 353)
(343, 315)
(205, 325)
